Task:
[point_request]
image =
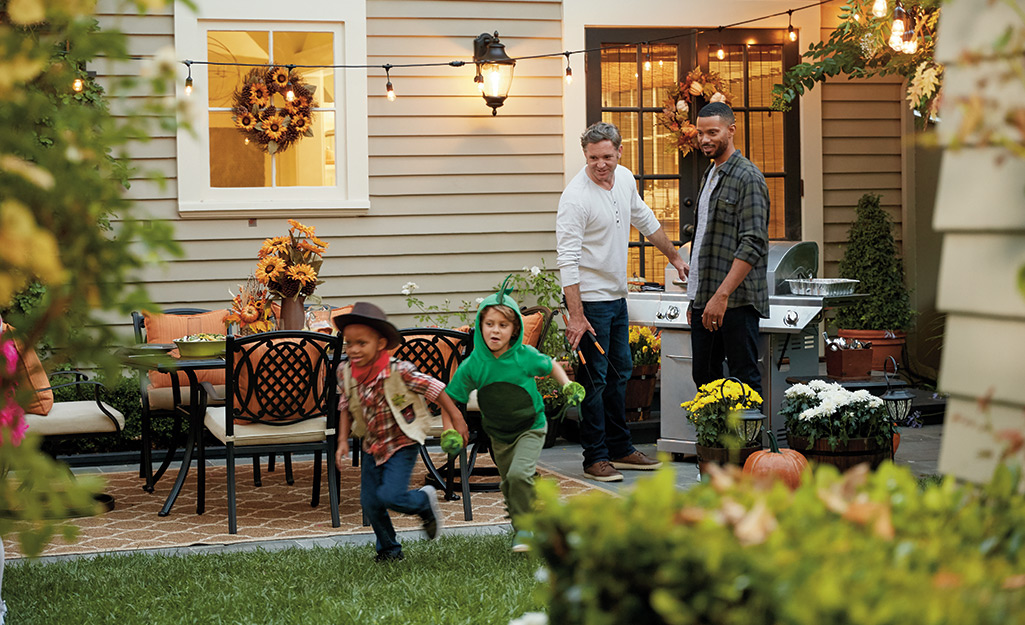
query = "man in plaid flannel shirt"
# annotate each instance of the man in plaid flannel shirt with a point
(727, 282)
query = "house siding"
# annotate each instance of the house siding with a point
(458, 198)
(862, 151)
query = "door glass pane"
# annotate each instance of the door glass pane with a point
(310, 162)
(766, 141)
(661, 77)
(663, 196)
(765, 69)
(627, 124)
(230, 46)
(619, 75)
(777, 204)
(233, 162)
(730, 69)
(660, 154)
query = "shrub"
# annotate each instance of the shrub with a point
(842, 549)
(871, 257)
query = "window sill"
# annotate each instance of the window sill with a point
(325, 208)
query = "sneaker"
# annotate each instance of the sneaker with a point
(521, 542)
(432, 524)
(389, 556)
(603, 471)
(636, 462)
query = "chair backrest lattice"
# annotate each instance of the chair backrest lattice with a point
(278, 378)
(436, 352)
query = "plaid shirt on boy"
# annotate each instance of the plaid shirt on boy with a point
(384, 436)
(738, 217)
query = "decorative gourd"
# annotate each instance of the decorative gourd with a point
(785, 464)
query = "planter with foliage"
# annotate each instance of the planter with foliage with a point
(715, 411)
(871, 258)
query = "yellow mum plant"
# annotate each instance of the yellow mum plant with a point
(713, 410)
(645, 345)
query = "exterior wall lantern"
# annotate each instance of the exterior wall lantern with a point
(494, 70)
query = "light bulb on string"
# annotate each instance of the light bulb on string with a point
(720, 53)
(647, 60)
(879, 8)
(78, 85)
(909, 44)
(791, 33)
(188, 79)
(290, 94)
(388, 87)
(569, 70)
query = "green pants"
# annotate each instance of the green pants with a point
(517, 463)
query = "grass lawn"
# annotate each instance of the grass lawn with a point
(455, 579)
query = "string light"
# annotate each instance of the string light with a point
(290, 94)
(720, 53)
(78, 85)
(188, 79)
(879, 8)
(647, 60)
(388, 87)
(569, 70)
(897, 29)
(790, 27)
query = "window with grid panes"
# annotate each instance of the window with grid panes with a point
(632, 85)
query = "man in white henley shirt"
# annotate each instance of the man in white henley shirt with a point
(592, 231)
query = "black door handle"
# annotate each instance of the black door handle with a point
(688, 202)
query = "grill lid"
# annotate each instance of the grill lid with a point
(787, 260)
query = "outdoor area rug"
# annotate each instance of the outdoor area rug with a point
(273, 511)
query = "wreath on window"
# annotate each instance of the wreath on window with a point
(274, 129)
(675, 116)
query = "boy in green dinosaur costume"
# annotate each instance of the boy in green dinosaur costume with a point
(502, 369)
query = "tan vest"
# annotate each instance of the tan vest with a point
(399, 397)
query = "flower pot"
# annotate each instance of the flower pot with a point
(849, 364)
(640, 391)
(855, 452)
(293, 314)
(885, 343)
(723, 455)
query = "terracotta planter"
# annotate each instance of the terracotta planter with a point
(293, 313)
(640, 391)
(857, 451)
(722, 455)
(885, 343)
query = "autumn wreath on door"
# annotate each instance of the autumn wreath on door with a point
(696, 90)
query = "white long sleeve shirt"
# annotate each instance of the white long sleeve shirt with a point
(592, 231)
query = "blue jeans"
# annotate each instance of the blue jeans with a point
(387, 487)
(736, 344)
(603, 431)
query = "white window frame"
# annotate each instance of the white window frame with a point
(351, 193)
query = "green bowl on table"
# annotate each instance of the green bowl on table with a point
(201, 345)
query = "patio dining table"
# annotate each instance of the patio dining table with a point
(147, 358)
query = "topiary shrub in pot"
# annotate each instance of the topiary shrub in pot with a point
(871, 257)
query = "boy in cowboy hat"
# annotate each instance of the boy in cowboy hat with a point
(382, 402)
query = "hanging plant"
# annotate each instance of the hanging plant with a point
(274, 128)
(675, 116)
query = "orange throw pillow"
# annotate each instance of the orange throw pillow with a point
(31, 374)
(532, 329)
(161, 328)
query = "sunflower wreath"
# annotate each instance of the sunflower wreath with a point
(675, 117)
(274, 129)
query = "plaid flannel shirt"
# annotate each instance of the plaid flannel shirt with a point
(384, 436)
(738, 218)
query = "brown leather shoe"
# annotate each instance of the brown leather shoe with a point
(603, 471)
(636, 462)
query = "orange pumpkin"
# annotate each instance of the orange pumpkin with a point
(784, 464)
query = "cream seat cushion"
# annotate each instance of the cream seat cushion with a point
(259, 434)
(162, 397)
(67, 418)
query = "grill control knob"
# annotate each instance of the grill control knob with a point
(658, 314)
(672, 312)
(790, 318)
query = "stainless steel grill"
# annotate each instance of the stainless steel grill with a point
(788, 341)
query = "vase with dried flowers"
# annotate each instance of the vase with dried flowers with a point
(288, 267)
(250, 310)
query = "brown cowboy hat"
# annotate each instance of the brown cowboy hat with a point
(365, 313)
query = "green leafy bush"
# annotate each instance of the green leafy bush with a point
(871, 257)
(842, 549)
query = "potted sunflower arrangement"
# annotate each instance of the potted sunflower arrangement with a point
(250, 310)
(646, 352)
(289, 267)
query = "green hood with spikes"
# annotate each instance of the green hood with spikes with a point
(506, 389)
